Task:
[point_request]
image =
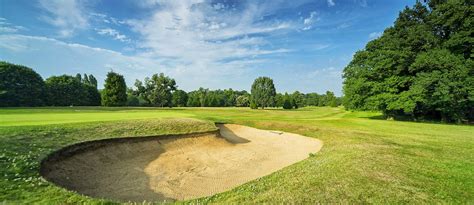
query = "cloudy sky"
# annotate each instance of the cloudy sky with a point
(303, 45)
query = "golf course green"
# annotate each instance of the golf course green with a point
(365, 159)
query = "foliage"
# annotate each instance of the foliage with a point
(263, 92)
(180, 98)
(243, 101)
(157, 91)
(114, 93)
(67, 90)
(287, 102)
(20, 86)
(297, 99)
(420, 68)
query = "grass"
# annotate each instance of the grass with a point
(363, 160)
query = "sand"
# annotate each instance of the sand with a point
(175, 167)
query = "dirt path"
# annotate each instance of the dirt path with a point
(181, 168)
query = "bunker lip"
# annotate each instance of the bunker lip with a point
(174, 167)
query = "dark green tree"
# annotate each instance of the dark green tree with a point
(421, 68)
(297, 99)
(263, 92)
(93, 80)
(243, 101)
(180, 98)
(114, 92)
(157, 90)
(20, 86)
(287, 102)
(66, 90)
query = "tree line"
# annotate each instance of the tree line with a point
(22, 86)
(420, 68)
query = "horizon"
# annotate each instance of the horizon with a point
(215, 45)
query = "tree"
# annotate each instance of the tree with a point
(93, 81)
(287, 102)
(93, 95)
(421, 68)
(157, 90)
(114, 93)
(66, 90)
(263, 92)
(297, 99)
(193, 99)
(243, 101)
(79, 77)
(20, 86)
(180, 98)
(331, 99)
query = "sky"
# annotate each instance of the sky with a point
(301, 44)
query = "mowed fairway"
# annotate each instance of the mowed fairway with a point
(364, 159)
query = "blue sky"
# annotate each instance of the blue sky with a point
(303, 45)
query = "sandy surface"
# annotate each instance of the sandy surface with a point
(180, 168)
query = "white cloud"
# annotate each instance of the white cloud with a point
(201, 37)
(55, 57)
(331, 3)
(6, 27)
(67, 15)
(375, 35)
(113, 33)
(308, 22)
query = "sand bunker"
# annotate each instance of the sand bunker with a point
(175, 167)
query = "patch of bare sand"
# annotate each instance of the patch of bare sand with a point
(179, 168)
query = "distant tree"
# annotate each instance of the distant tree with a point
(85, 79)
(79, 77)
(263, 92)
(93, 95)
(243, 101)
(331, 99)
(114, 92)
(298, 99)
(180, 98)
(229, 97)
(132, 100)
(312, 99)
(287, 102)
(278, 100)
(92, 81)
(66, 90)
(157, 90)
(193, 99)
(20, 86)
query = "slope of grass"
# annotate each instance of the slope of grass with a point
(363, 160)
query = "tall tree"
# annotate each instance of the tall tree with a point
(157, 90)
(287, 102)
(85, 79)
(20, 86)
(180, 98)
(263, 92)
(114, 92)
(243, 101)
(93, 80)
(297, 99)
(66, 90)
(419, 68)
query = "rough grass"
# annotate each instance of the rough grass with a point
(363, 160)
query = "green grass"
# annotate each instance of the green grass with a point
(363, 160)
